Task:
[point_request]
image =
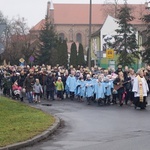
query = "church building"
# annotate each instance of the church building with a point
(71, 21)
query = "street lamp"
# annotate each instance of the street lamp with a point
(90, 20)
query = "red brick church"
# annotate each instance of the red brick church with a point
(72, 20)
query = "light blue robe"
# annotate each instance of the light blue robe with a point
(89, 88)
(80, 89)
(71, 83)
(99, 90)
(94, 80)
(109, 86)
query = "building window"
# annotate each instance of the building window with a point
(79, 37)
(61, 36)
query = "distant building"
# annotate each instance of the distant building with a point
(100, 44)
(72, 21)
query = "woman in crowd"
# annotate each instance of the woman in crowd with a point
(119, 86)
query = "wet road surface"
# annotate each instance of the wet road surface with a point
(91, 127)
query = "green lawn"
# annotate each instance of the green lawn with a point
(19, 122)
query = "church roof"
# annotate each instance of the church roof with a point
(76, 14)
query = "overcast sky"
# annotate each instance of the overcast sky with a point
(34, 10)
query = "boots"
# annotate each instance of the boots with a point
(21, 99)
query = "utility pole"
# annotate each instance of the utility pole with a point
(90, 20)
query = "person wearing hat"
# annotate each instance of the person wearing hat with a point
(119, 69)
(59, 88)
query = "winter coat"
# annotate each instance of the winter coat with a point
(50, 86)
(28, 83)
(6, 82)
(21, 80)
(37, 88)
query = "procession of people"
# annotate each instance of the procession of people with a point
(95, 85)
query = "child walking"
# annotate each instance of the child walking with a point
(59, 88)
(37, 88)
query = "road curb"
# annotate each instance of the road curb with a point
(35, 139)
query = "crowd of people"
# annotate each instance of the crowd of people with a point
(98, 85)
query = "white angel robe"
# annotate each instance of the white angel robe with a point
(136, 88)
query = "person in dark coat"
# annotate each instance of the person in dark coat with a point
(42, 76)
(50, 86)
(128, 88)
(28, 85)
(21, 79)
(14, 78)
(6, 84)
(119, 69)
(63, 78)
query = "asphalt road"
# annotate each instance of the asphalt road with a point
(97, 128)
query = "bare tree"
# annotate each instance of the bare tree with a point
(18, 43)
(111, 8)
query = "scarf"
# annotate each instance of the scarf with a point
(140, 88)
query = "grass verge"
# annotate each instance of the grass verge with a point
(19, 122)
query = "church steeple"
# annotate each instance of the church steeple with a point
(48, 10)
(52, 12)
(52, 6)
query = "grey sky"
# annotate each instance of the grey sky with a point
(34, 10)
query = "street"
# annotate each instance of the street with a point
(97, 127)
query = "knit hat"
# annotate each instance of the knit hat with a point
(120, 66)
(59, 78)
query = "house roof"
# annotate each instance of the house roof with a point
(97, 33)
(79, 14)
